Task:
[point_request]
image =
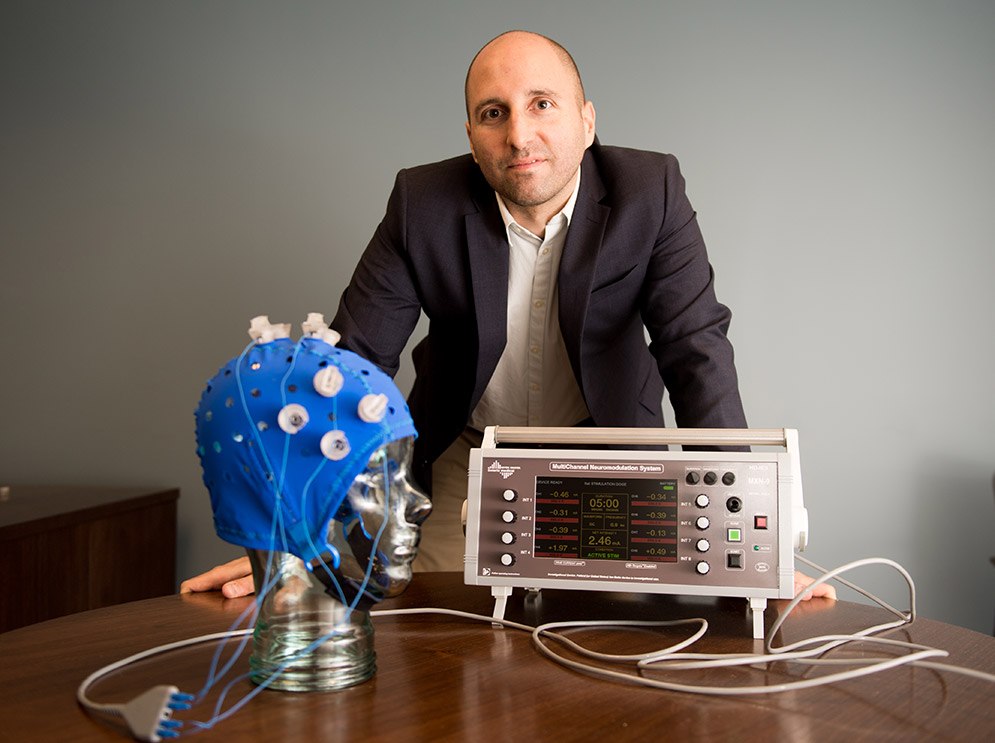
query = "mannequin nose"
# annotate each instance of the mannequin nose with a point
(418, 509)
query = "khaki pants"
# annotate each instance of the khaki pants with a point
(442, 542)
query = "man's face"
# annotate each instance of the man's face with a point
(528, 125)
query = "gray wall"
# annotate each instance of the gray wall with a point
(170, 169)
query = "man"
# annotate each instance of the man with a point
(539, 259)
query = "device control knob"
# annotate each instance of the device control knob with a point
(702, 545)
(728, 478)
(508, 517)
(711, 478)
(702, 501)
(507, 559)
(702, 522)
(702, 567)
(692, 478)
(510, 495)
(508, 537)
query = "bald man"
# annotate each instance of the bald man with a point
(542, 260)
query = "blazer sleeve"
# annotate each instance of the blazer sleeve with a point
(380, 306)
(686, 323)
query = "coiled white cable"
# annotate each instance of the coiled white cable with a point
(668, 659)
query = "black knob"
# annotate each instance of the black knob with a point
(710, 478)
(728, 478)
(692, 478)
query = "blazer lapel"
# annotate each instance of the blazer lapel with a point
(580, 257)
(487, 247)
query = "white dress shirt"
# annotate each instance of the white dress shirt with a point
(533, 383)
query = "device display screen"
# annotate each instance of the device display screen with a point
(606, 519)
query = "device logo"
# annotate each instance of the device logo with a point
(504, 470)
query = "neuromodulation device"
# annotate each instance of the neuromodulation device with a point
(555, 508)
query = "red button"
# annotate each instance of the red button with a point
(759, 522)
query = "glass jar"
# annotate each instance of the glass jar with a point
(304, 639)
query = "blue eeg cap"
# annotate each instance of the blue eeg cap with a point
(284, 428)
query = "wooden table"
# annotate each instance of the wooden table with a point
(65, 549)
(446, 679)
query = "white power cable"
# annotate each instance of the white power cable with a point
(803, 652)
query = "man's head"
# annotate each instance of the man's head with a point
(528, 122)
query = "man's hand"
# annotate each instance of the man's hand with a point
(233, 578)
(825, 590)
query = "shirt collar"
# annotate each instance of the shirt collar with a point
(565, 214)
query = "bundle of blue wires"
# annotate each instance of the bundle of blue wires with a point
(150, 715)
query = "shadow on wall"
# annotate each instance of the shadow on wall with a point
(950, 538)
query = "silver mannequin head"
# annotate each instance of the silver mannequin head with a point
(313, 630)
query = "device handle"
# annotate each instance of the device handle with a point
(785, 437)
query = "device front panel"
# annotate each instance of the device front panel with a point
(590, 517)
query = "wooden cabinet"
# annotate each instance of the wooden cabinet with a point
(66, 549)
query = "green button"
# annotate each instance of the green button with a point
(735, 535)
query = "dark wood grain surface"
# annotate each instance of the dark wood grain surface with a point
(66, 549)
(446, 679)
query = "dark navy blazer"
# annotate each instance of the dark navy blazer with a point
(633, 257)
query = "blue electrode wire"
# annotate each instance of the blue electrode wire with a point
(310, 542)
(304, 495)
(278, 526)
(268, 469)
(677, 661)
(286, 438)
(278, 670)
(297, 515)
(314, 645)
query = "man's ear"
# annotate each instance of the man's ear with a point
(474, 154)
(589, 118)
